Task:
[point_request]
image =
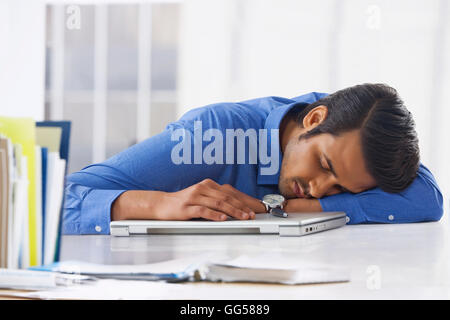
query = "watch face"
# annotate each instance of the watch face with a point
(273, 200)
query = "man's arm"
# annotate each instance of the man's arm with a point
(206, 199)
(421, 201)
(303, 205)
(142, 182)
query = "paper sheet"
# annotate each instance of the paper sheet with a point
(274, 261)
(109, 289)
(274, 268)
(174, 266)
(112, 289)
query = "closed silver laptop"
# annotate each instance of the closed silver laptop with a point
(296, 224)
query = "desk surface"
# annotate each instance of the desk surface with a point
(404, 261)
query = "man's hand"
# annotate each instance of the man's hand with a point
(206, 199)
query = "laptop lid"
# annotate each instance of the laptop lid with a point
(296, 224)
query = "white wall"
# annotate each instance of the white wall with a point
(204, 50)
(22, 58)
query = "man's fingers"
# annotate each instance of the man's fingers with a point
(227, 198)
(242, 197)
(207, 213)
(238, 199)
(223, 206)
(248, 200)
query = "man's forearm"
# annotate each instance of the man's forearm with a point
(135, 204)
(303, 205)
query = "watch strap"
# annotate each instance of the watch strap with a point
(278, 212)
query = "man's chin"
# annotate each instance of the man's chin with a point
(287, 195)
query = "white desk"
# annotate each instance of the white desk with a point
(410, 261)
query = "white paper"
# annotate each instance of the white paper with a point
(109, 289)
(305, 271)
(172, 266)
(275, 268)
(272, 261)
(54, 194)
(37, 280)
(22, 214)
(38, 203)
(11, 262)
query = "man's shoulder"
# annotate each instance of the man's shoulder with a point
(250, 113)
(247, 113)
(310, 97)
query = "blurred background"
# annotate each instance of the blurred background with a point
(122, 70)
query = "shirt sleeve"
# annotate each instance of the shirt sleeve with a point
(87, 210)
(421, 201)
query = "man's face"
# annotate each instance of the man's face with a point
(324, 165)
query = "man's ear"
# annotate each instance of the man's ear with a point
(315, 117)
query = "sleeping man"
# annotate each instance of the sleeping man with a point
(355, 150)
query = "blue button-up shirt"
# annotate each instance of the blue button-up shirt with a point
(149, 165)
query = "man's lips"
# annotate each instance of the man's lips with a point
(298, 190)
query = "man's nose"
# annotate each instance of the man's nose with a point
(321, 186)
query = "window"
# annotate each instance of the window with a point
(112, 73)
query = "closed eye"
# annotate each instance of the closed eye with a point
(325, 164)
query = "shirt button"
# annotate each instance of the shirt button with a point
(98, 228)
(391, 217)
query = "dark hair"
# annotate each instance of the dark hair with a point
(389, 141)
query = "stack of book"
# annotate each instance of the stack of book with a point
(33, 165)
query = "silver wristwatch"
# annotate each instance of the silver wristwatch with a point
(274, 204)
